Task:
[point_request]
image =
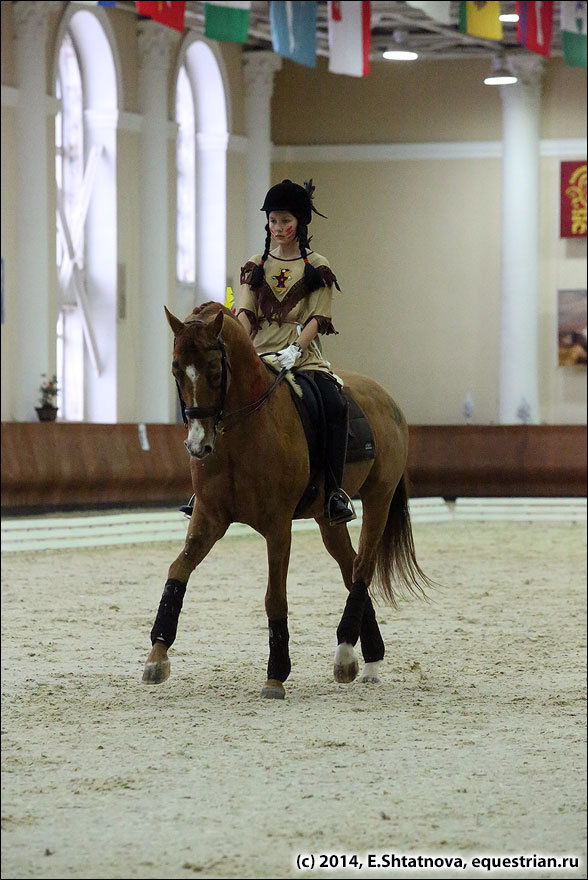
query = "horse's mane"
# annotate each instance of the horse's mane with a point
(233, 330)
(207, 311)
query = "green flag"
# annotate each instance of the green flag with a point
(573, 32)
(227, 21)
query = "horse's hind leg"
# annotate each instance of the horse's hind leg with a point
(338, 543)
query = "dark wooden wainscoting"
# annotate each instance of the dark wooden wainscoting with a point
(60, 466)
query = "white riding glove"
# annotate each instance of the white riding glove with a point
(288, 356)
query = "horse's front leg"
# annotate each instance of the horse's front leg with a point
(203, 533)
(276, 606)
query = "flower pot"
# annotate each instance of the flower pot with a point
(46, 413)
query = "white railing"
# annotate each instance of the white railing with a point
(29, 533)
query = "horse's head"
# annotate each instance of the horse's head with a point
(199, 367)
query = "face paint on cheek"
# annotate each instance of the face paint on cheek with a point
(289, 230)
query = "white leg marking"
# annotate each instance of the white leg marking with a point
(346, 665)
(371, 672)
(345, 654)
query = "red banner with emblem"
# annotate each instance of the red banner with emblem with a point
(573, 199)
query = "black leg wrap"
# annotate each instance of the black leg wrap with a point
(350, 626)
(372, 644)
(166, 622)
(278, 666)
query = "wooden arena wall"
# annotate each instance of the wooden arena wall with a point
(55, 466)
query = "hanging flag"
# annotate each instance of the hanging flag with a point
(481, 19)
(534, 26)
(227, 21)
(439, 10)
(349, 37)
(573, 32)
(96, 2)
(293, 26)
(573, 199)
(170, 13)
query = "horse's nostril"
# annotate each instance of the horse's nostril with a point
(207, 449)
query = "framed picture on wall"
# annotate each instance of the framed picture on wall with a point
(571, 327)
(573, 222)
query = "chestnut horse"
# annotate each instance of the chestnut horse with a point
(249, 464)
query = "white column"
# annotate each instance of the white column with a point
(519, 355)
(211, 216)
(31, 288)
(154, 386)
(259, 68)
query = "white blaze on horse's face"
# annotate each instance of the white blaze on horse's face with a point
(200, 442)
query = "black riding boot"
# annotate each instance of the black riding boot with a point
(338, 506)
(188, 508)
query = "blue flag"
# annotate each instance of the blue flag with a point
(293, 27)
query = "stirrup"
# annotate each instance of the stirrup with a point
(340, 508)
(188, 509)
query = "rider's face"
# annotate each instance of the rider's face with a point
(283, 226)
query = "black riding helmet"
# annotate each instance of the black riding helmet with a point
(289, 196)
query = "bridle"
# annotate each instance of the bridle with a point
(210, 412)
(217, 412)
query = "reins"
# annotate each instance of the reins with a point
(251, 408)
(217, 412)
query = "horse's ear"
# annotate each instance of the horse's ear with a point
(175, 323)
(216, 325)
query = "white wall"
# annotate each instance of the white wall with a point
(415, 242)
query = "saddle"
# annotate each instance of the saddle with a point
(309, 405)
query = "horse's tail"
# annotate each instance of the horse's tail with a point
(396, 566)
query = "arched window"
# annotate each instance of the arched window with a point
(85, 172)
(202, 117)
(186, 181)
(69, 173)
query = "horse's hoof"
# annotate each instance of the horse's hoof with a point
(346, 665)
(371, 672)
(273, 690)
(156, 672)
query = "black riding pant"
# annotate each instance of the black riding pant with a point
(336, 416)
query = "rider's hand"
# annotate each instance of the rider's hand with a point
(288, 356)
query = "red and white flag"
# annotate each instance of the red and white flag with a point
(349, 37)
(535, 25)
(170, 12)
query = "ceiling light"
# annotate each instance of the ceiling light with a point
(400, 55)
(501, 75)
(509, 16)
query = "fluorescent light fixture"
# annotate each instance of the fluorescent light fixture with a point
(509, 16)
(400, 55)
(501, 75)
(503, 80)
